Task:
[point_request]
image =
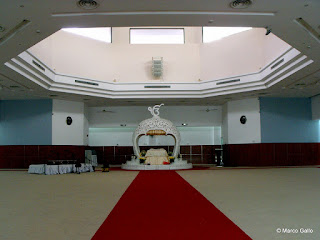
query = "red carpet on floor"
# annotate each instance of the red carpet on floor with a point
(162, 205)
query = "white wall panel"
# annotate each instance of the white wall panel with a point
(244, 133)
(194, 116)
(123, 137)
(63, 134)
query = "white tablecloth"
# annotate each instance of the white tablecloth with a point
(65, 168)
(51, 169)
(36, 168)
(85, 167)
(58, 169)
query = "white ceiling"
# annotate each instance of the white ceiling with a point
(47, 17)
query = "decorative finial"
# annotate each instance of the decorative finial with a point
(155, 109)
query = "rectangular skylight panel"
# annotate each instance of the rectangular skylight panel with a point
(101, 33)
(211, 34)
(157, 36)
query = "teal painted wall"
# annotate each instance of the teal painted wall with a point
(26, 122)
(287, 120)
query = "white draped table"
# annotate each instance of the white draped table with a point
(156, 156)
(58, 169)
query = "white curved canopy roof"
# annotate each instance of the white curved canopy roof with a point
(156, 123)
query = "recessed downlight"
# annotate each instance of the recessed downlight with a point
(87, 4)
(240, 4)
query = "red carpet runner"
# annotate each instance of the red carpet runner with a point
(162, 205)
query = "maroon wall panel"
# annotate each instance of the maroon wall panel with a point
(318, 154)
(281, 154)
(264, 154)
(31, 155)
(185, 149)
(196, 149)
(273, 154)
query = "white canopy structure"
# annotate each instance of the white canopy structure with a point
(156, 159)
(156, 126)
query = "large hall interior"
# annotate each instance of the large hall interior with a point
(228, 91)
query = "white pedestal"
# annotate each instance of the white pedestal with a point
(176, 165)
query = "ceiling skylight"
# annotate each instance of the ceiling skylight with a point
(211, 34)
(157, 36)
(101, 34)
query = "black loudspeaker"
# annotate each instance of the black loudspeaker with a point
(69, 120)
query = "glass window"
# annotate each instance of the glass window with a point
(101, 33)
(157, 36)
(210, 34)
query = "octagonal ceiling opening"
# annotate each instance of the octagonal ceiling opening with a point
(201, 57)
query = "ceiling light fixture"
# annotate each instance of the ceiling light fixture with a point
(87, 4)
(307, 27)
(184, 124)
(155, 13)
(10, 33)
(240, 4)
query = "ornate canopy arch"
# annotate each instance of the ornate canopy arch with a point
(156, 126)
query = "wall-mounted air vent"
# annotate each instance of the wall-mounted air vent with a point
(10, 33)
(38, 65)
(277, 63)
(157, 86)
(228, 81)
(306, 26)
(86, 82)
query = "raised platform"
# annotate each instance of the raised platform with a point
(177, 165)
